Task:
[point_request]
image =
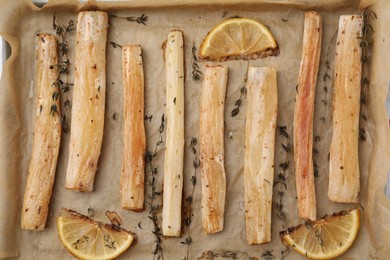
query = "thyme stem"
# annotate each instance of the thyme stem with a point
(189, 198)
(238, 102)
(153, 194)
(328, 83)
(196, 73)
(62, 82)
(142, 19)
(366, 44)
(228, 254)
(282, 175)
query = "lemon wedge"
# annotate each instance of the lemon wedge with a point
(326, 238)
(238, 38)
(89, 239)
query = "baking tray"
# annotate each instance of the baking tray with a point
(219, 239)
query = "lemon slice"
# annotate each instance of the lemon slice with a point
(238, 38)
(326, 238)
(89, 239)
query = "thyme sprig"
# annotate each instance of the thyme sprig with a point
(327, 78)
(62, 31)
(62, 82)
(328, 82)
(280, 183)
(228, 254)
(196, 73)
(366, 44)
(109, 242)
(153, 193)
(317, 232)
(243, 90)
(79, 241)
(67, 103)
(142, 19)
(189, 198)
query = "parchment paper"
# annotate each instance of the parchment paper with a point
(19, 23)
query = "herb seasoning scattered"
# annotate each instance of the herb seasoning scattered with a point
(140, 19)
(229, 254)
(189, 198)
(153, 194)
(366, 44)
(196, 73)
(62, 82)
(238, 102)
(280, 183)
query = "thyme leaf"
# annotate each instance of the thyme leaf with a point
(283, 131)
(64, 124)
(53, 109)
(90, 212)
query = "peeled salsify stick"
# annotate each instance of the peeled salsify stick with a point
(47, 137)
(212, 148)
(174, 152)
(261, 114)
(89, 95)
(133, 164)
(344, 175)
(303, 119)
